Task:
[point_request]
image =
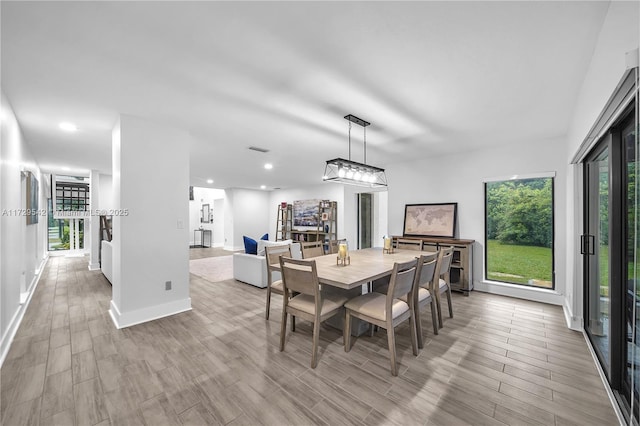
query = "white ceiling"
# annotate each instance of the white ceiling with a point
(431, 77)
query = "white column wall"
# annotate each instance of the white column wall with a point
(22, 250)
(150, 237)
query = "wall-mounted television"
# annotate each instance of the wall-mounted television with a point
(430, 220)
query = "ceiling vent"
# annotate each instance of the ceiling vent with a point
(255, 148)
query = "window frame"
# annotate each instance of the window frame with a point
(542, 175)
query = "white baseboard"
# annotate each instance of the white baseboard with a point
(14, 324)
(521, 292)
(94, 266)
(574, 323)
(127, 319)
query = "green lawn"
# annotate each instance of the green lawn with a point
(519, 264)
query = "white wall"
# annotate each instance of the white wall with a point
(22, 246)
(619, 34)
(151, 242)
(106, 192)
(218, 222)
(459, 178)
(206, 196)
(245, 213)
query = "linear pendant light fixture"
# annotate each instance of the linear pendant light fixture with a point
(353, 173)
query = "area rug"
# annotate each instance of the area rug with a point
(213, 269)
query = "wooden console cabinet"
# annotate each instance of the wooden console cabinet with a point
(461, 273)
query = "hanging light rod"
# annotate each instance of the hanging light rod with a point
(351, 172)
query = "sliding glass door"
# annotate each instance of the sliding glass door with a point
(595, 247)
(610, 249)
(631, 351)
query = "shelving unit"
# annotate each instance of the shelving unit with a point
(326, 229)
(461, 272)
(284, 223)
(106, 233)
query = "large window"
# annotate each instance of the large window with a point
(519, 231)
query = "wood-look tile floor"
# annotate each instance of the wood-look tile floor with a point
(202, 252)
(499, 361)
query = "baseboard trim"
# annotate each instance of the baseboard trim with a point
(520, 292)
(139, 316)
(16, 320)
(94, 266)
(574, 323)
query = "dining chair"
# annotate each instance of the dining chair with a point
(408, 244)
(387, 310)
(444, 281)
(272, 257)
(312, 249)
(424, 293)
(300, 277)
(334, 246)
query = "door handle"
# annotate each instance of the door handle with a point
(587, 244)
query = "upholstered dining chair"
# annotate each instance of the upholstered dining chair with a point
(408, 244)
(312, 249)
(443, 282)
(300, 277)
(387, 310)
(424, 293)
(272, 257)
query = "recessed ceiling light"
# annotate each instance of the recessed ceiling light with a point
(69, 127)
(209, 181)
(268, 166)
(263, 187)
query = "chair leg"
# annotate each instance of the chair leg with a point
(439, 306)
(449, 302)
(434, 316)
(392, 349)
(347, 331)
(293, 323)
(316, 338)
(283, 327)
(414, 332)
(418, 323)
(266, 316)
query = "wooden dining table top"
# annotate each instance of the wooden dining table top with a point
(366, 265)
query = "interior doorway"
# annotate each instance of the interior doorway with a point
(365, 220)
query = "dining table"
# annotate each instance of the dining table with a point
(364, 266)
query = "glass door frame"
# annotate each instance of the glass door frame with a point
(615, 369)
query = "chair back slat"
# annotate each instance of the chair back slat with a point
(402, 279)
(312, 249)
(273, 253)
(409, 244)
(334, 245)
(446, 256)
(299, 276)
(427, 269)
